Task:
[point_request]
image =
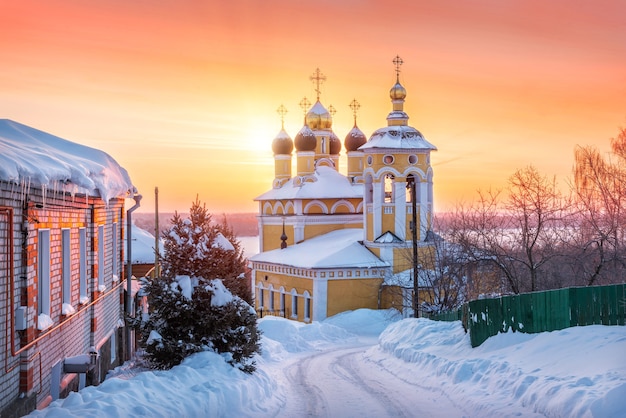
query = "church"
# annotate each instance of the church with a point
(331, 242)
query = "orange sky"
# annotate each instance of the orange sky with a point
(184, 93)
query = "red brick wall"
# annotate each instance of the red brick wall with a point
(93, 323)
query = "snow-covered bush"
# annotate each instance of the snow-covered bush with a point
(191, 315)
(198, 247)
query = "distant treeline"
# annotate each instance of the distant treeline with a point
(244, 224)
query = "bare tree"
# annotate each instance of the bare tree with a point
(538, 211)
(519, 235)
(600, 189)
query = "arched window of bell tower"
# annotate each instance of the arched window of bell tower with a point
(389, 180)
(411, 187)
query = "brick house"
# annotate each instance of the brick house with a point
(61, 266)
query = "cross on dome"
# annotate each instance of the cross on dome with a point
(355, 106)
(282, 111)
(304, 104)
(398, 62)
(318, 78)
(332, 110)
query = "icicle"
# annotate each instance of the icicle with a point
(22, 190)
(44, 189)
(55, 190)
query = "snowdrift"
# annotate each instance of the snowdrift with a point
(576, 372)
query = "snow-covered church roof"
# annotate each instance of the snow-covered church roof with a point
(41, 159)
(329, 184)
(398, 137)
(336, 249)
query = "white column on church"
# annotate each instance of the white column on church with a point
(320, 299)
(424, 205)
(400, 209)
(377, 203)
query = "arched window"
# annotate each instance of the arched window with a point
(410, 179)
(260, 296)
(388, 188)
(294, 303)
(270, 292)
(282, 300)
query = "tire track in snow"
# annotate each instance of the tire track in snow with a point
(346, 368)
(328, 384)
(343, 382)
(310, 395)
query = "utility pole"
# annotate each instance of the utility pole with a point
(414, 239)
(157, 272)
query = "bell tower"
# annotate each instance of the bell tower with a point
(394, 157)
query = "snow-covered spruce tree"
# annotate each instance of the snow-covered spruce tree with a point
(201, 302)
(197, 247)
(192, 315)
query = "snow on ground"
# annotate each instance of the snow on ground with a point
(373, 363)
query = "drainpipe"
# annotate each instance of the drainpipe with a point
(129, 269)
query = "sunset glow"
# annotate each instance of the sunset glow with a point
(184, 93)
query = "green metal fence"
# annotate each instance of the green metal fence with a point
(541, 311)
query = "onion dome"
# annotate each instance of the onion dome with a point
(305, 140)
(335, 144)
(397, 92)
(354, 139)
(282, 144)
(318, 117)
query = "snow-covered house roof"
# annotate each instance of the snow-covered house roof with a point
(398, 137)
(142, 246)
(41, 159)
(336, 249)
(329, 184)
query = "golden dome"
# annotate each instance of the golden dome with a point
(318, 117)
(397, 92)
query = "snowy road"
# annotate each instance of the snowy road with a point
(366, 364)
(341, 382)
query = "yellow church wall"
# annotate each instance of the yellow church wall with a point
(409, 219)
(369, 222)
(391, 297)
(403, 257)
(311, 231)
(278, 280)
(345, 295)
(271, 236)
(389, 221)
